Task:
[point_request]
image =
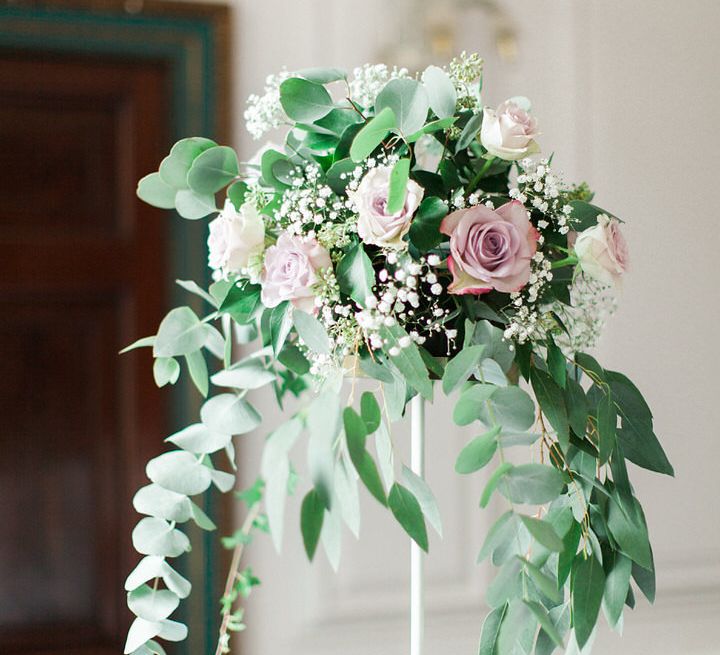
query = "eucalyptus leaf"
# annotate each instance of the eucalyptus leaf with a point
(471, 404)
(199, 439)
(193, 206)
(153, 536)
(249, 374)
(408, 101)
(304, 101)
(227, 413)
(161, 503)
(311, 332)
(166, 370)
(460, 367)
(532, 484)
(355, 275)
(152, 604)
(180, 333)
(425, 228)
(397, 187)
(154, 191)
(440, 90)
(478, 452)
(408, 513)
(587, 593)
(372, 134)
(179, 471)
(212, 170)
(312, 513)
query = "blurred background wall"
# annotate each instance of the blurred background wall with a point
(627, 95)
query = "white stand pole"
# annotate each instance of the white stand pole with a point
(417, 464)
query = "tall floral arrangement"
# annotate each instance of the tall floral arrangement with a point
(404, 232)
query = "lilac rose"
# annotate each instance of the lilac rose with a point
(290, 271)
(509, 132)
(375, 226)
(490, 249)
(602, 251)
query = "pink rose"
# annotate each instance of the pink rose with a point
(509, 132)
(374, 224)
(490, 249)
(290, 271)
(237, 239)
(602, 251)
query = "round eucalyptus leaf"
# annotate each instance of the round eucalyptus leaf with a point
(229, 414)
(212, 170)
(304, 101)
(140, 631)
(153, 536)
(161, 503)
(441, 91)
(180, 333)
(408, 101)
(152, 604)
(154, 191)
(174, 168)
(192, 205)
(198, 438)
(179, 471)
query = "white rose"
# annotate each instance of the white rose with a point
(509, 132)
(602, 251)
(237, 238)
(374, 225)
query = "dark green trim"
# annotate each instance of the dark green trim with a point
(189, 47)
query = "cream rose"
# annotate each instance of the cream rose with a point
(509, 132)
(375, 226)
(236, 238)
(602, 251)
(290, 271)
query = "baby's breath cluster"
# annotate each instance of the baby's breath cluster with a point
(368, 80)
(264, 112)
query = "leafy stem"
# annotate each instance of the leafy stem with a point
(479, 176)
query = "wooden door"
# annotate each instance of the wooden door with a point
(82, 265)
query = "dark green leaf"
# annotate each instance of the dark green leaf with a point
(545, 622)
(587, 592)
(552, 403)
(272, 176)
(340, 174)
(617, 582)
(312, 513)
(630, 533)
(408, 513)
(237, 192)
(425, 228)
(408, 360)
(491, 630)
(213, 169)
(571, 541)
(606, 426)
(355, 275)
(645, 579)
(478, 452)
(356, 436)
(556, 363)
(577, 408)
(472, 127)
(370, 411)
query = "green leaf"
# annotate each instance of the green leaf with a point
(577, 407)
(397, 189)
(506, 584)
(424, 495)
(281, 322)
(491, 630)
(161, 503)
(432, 126)
(512, 408)
(372, 134)
(471, 404)
(153, 536)
(145, 342)
(236, 193)
(249, 374)
(545, 622)
(493, 482)
(179, 471)
(408, 101)
(470, 131)
(585, 214)
(356, 436)
(242, 303)
(227, 413)
(556, 363)
(312, 513)
(152, 604)
(193, 206)
(323, 423)
(408, 513)
(311, 332)
(408, 360)
(197, 366)
(552, 403)
(534, 484)
(543, 582)
(478, 452)
(174, 168)
(304, 101)
(339, 175)
(425, 228)
(212, 170)
(322, 75)
(370, 411)
(617, 582)
(645, 579)
(293, 359)
(198, 439)
(630, 532)
(606, 427)
(587, 592)
(460, 367)
(543, 532)
(440, 90)
(166, 370)
(275, 169)
(355, 275)
(501, 531)
(180, 333)
(154, 191)
(571, 540)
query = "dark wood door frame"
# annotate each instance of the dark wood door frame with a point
(193, 41)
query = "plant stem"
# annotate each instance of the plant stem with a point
(565, 261)
(479, 176)
(233, 574)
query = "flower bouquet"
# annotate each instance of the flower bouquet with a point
(406, 233)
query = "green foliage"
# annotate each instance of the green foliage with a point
(588, 583)
(372, 134)
(212, 170)
(440, 90)
(355, 275)
(397, 191)
(311, 521)
(311, 332)
(408, 101)
(460, 367)
(154, 191)
(478, 452)
(407, 360)
(552, 402)
(356, 436)
(425, 228)
(408, 513)
(531, 483)
(304, 101)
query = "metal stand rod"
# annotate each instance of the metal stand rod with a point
(417, 582)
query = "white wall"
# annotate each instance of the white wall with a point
(627, 94)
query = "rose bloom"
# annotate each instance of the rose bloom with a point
(290, 271)
(235, 238)
(375, 226)
(602, 251)
(490, 249)
(509, 132)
